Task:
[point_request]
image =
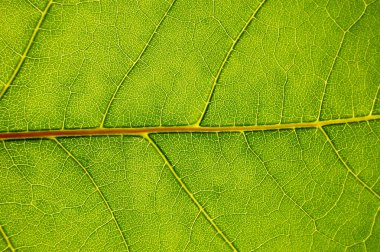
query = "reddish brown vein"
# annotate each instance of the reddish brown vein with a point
(173, 129)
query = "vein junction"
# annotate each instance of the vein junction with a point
(143, 131)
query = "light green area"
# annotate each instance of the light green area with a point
(56, 207)
(154, 63)
(279, 190)
(356, 78)
(362, 152)
(280, 68)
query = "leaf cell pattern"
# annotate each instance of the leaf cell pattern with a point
(189, 125)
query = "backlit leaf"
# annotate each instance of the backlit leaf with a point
(173, 125)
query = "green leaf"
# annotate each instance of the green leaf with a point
(189, 125)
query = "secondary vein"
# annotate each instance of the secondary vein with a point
(357, 178)
(30, 43)
(189, 193)
(274, 179)
(135, 63)
(96, 188)
(6, 238)
(228, 55)
(337, 55)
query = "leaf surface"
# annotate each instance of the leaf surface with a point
(189, 125)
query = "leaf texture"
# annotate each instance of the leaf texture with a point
(189, 125)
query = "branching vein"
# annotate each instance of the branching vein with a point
(27, 49)
(97, 190)
(375, 100)
(6, 238)
(357, 178)
(275, 180)
(135, 63)
(226, 58)
(337, 55)
(189, 193)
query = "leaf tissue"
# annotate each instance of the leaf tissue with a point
(189, 125)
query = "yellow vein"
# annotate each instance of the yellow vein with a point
(96, 188)
(34, 6)
(372, 227)
(346, 165)
(336, 57)
(375, 100)
(6, 238)
(135, 63)
(233, 45)
(23, 56)
(189, 193)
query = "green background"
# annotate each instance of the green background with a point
(156, 63)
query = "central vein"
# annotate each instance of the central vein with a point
(172, 129)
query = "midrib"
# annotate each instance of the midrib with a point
(173, 129)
